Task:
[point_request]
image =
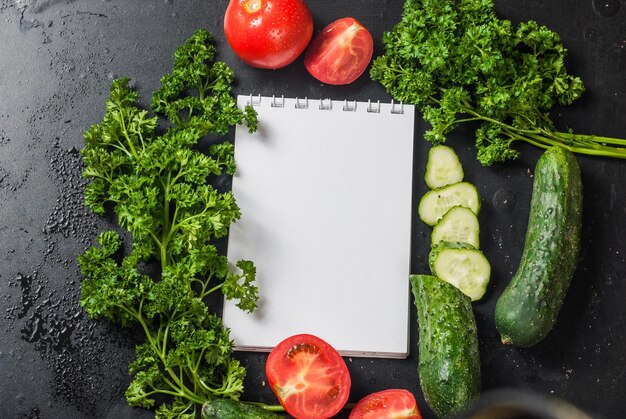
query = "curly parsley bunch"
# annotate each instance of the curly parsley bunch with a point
(157, 184)
(458, 62)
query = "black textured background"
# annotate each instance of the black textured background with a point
(57, 59)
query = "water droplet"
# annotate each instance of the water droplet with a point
(617, 56)
(606, 8)
(592, 35)
(504, 200)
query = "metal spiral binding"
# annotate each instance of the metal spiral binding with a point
(276, 104)
(303, 105)
(349, 107)
(397, 111)
(254, 102)
(326, 104)
(371, 108)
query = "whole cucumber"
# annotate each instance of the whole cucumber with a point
(221, 408)
(449, 362)
(528, 308)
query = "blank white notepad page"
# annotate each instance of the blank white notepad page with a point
(325, 196)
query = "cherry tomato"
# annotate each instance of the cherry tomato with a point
(268, 33)
(309, 377)
(387, 404)
(340, 53)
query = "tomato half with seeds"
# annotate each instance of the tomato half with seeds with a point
(387, 404)
(309, 377)
(340, 53)
(268, 33)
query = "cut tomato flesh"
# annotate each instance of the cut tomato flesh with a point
(387, 404)
(309, 377)
(340, 53)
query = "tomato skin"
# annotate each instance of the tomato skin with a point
(387, 404)
(340, 53)
(268, 34)
(308, 376)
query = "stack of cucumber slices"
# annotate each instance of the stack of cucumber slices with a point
(451, 207)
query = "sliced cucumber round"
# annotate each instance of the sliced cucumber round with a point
(463, 266)
(443, 167)
(460, 224)
(435, 203)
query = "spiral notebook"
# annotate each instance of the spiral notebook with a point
(325, 191)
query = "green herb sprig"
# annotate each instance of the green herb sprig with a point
(458, 62)
(157, 185)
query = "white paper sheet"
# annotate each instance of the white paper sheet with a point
(325, 194)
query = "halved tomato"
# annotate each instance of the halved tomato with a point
(387, 404)
(309, 377)
(340, 53)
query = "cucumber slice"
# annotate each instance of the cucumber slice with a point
(462, 266)
(459, 224)
(435, 203)
(443, 167)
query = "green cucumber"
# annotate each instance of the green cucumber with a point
(459, 224)
(528, 308)
(461, 265)
(221, 408)
(449, 362)
(435, 203)
(443, 167)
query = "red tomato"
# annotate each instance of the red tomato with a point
(340, 53)
(309, 377)
(387, 404)
(268, 33)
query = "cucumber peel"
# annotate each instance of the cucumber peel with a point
(528, 308)
(220, 408)
(449, 362)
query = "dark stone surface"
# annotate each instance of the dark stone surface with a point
(57, 59)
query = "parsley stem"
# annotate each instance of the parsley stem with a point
(125, 130)
(167, 223)
(215, 288)
(178, 383)
(543, 138)
(121, 148)
(165, 337)
(577, 147)
(594, 138)
(479, 116)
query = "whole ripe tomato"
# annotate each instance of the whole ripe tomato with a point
(340, 53)
(268, 33)
(387, 404)
(308, 376)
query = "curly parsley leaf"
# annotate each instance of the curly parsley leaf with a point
(457, 61)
